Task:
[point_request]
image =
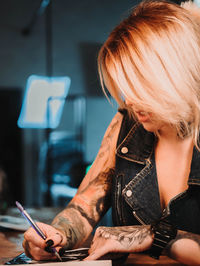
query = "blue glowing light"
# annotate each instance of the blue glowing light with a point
(43, 101)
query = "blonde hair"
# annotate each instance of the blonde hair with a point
(152, 58)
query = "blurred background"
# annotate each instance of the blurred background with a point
(60, 38)
(43, 167)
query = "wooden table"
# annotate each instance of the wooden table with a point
(11, 242)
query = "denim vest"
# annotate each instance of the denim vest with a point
(135, 193)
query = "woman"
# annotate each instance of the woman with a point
(148, 163)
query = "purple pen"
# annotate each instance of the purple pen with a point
(35, 227)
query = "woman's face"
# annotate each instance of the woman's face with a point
(149, 121)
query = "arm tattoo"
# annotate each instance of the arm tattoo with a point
(74, 227)
(126, 235)
(100, 201)
(92, 200)
(104, 180)
(63, 224)
(105, 147)
(90, 220)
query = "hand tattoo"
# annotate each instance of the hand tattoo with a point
(126, 235)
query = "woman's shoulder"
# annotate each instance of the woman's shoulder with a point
(114, 125)
(128, 120)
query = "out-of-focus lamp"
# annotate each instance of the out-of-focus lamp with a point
(43, 101)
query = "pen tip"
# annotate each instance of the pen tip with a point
(58, 256)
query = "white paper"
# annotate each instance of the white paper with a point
(78, 263)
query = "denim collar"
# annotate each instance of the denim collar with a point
(138, 146)
(194, 177)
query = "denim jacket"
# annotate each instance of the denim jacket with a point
(135, 193)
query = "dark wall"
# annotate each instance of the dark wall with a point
(10, 142)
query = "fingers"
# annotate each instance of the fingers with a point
(26, 249)
(102, 244)
(99, 248)
(95, 254)
(36, 253)
(55, 239)
(39, 249)
(31, 236)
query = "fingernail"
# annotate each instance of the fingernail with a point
(48, 249)
(61, 251)
(49, 243)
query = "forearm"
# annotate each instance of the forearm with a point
(93, 196)
(85, 210)
(185, 248)
(69, 223)
(122, 239)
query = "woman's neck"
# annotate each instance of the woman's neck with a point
(169, 136)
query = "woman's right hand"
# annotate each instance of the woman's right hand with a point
(37, 248)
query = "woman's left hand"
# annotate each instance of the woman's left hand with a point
(120, 239)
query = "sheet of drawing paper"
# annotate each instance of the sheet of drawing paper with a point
(23, 259)
(79, 263)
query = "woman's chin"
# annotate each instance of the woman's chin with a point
(149, 126)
